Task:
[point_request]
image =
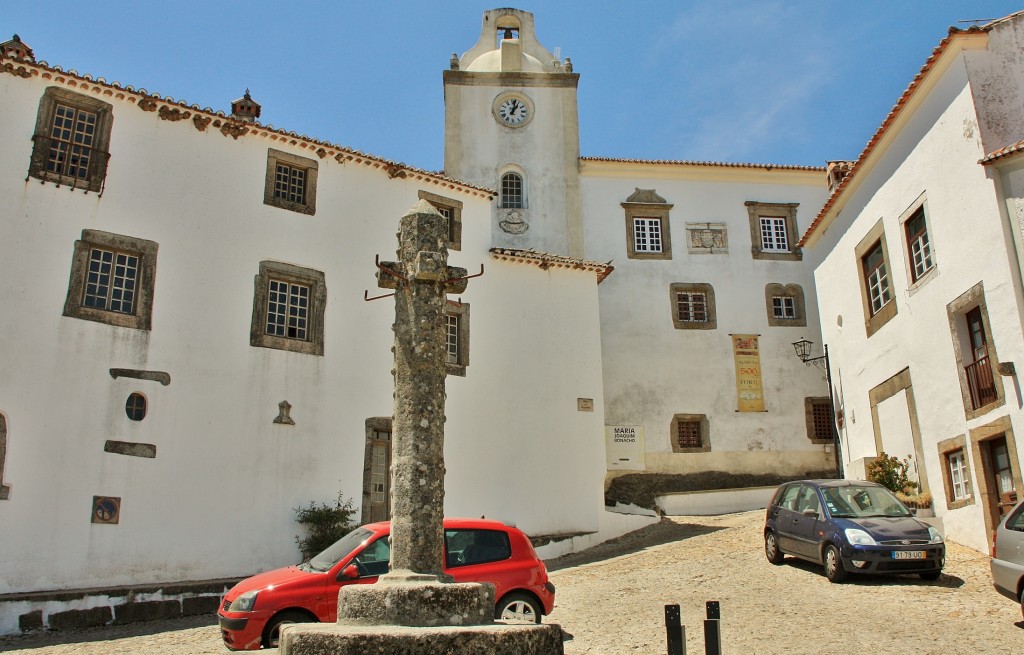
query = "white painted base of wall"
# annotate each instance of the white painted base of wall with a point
(718, 501)
(613, 522)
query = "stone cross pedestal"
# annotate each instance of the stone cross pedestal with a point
(416, 607)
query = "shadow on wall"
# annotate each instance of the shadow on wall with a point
(640, 489)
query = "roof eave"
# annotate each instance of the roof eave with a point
(940, 61)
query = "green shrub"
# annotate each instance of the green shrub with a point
(891, 473)
(324, 524)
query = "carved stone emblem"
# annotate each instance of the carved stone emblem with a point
(513, 223)
(707, 238)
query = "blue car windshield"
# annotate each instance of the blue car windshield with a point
(856, 501)
(330, 556)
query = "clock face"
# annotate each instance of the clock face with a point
(513, 111)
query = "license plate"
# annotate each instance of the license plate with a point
(909, 554)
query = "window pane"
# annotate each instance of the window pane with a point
(511, 191)
(647, 235)
(288, 310)
(773, 234)
(452, 340)
(111, 281)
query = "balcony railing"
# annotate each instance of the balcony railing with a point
(74, 165)
(980, 382)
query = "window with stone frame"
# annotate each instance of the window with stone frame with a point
(71, 142)
(513, 191)
(821, 428)
(290, 182)
(112, 280)
(919, 247)
(5, 489)
(456, 338)
(956, 472)
(450, 209)
(647, 226)
(288, 308)
(974, 350)
(773, 230)
(785, 305)
(690, 433)
(693, 306)
(877, 296)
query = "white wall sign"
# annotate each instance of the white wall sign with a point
(624, 445)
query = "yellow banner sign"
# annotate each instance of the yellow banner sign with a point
(749, 391)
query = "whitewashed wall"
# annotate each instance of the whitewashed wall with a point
(218, 499)
(935, 153)
(652, 370)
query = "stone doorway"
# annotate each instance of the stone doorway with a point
(377, 471)
(997, 470)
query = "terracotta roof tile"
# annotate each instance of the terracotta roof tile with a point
(547, 260)
(1002, 153)
(683, 162)
(152, 101)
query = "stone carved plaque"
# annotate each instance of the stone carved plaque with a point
(707, 238)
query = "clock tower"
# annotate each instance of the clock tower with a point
(511, 124)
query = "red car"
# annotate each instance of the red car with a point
(476, 550)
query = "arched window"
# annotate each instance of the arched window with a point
(512, 195)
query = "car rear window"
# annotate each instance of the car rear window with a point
(467, 547)
(1016, 520)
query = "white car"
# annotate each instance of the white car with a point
(1008, 555)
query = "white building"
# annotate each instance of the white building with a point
(919, 281)
(188, 354)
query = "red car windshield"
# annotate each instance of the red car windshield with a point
(330, 555)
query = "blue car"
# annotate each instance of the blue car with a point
(850, 526)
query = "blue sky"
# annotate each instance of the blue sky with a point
(769, 81)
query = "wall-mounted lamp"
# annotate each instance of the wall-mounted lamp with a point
(803, 349)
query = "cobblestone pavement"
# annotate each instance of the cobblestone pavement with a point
(611, 600)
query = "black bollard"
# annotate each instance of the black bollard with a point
(675, 631)
(712, 629)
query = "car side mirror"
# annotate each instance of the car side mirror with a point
(350, 572)
(810, 512)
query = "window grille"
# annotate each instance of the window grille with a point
(692, 306)
(773, 234)
(290, 184)
(821, 416)
(72, 141)
(111, 281)
(288, 310)
(689, 435)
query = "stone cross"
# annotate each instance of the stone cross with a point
(421, 279)
(449, 618)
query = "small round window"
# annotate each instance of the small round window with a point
(135, 407)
